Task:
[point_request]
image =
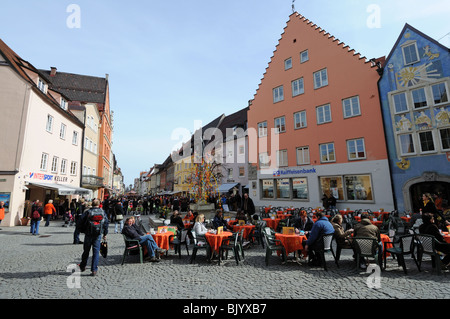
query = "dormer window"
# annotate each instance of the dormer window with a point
(63, 104)
(42, 86)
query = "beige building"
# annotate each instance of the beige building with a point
(40, 139)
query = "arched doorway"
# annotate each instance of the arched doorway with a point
(428, 182)
(416, 191)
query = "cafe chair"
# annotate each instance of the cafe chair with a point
(426, 244)
(199, 244)
(339, 249)
(367, 247)
(257, 232)
(131, 247)
(179, 240)
(271, 245)
(232, 243)
(406, 248)
(241, 244)
(325, 246)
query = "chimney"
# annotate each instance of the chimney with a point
(107, 76)
(53, 71)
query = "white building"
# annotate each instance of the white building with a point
(40, 139)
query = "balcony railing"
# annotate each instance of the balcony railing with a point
(91, 181)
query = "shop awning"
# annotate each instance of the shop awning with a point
(226, 187)
(63, 189)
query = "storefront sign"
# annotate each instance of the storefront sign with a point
(294, 171)
(46, 177)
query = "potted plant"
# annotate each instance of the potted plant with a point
(24, 221)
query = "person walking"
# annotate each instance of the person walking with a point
(118, 218)
(49, 210)
(247, 206)
(36, 216)
(93, 223)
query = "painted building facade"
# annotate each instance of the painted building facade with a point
(315, 125)
(414, 91)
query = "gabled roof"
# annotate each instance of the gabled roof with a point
(237, 119)
(82, 88)
(20, 66)
(423, 35)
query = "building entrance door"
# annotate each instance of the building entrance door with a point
(434, 188)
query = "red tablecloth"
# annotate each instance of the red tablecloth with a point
(163, 239)
(215, 240)
(291, 243)
(446, 236)
(283, 215)
(272, 223)
(247, 229)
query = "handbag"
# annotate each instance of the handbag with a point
(104, 248)
(119, 217)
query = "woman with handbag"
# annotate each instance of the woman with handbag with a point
(118, 218)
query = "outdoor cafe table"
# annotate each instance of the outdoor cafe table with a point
(446, 236)
(283, 215)
(272, 223)
(215, 240)
(247, 229)
(291, 243)
(163, 239)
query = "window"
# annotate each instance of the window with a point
(445, 138)
(283, 188)
(44, 160)
(241, 171)
(358, 187)
(54, 164)
(351, 107)
(327, 153)
(300, 119)
(62, 131)
(278, 94)
(320, 78)
(73, 168)
(426, 142)
(267, 188)
(75, 138)
(304, 56)
(323, 114)
(49, 126)
(419, 98)
(410, 53)
(406, 144)
(230, 173)
(299, 188)
(280, 125)
(297, 87)
(262, 129)
(439, 93)
(355, 149)
(332, 185)
(264, 160)
(282, 158)
(63, 104)
(288, 64)
(302, 155)
(400, 103)
(41, 85)
(63, 166)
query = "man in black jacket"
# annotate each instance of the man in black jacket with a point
(247, 206)
(91, 238)
(132, 231)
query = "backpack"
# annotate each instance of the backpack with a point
(35, 214)
(95, 218)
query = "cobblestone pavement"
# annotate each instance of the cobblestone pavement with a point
(40, 267)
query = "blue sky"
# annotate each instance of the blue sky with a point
(174, 62)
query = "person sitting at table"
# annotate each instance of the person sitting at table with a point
(189, 215)
(240, 215)
(218, 221)
(199, 226)
(303, 223)
(175, 219)
(429, 227)
(365, 228)
(342, 237)
(132, 231)
(320, 228)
